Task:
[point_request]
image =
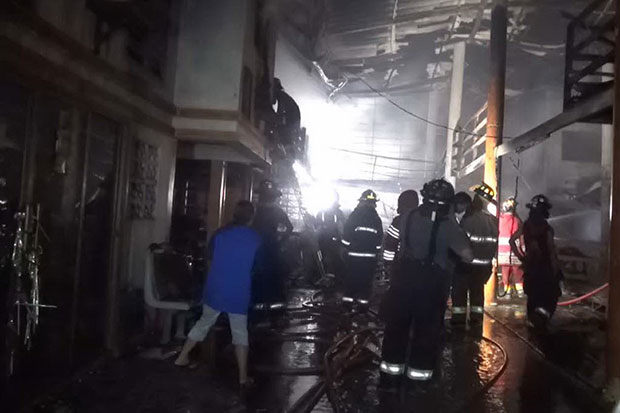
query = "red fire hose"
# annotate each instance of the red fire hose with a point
(583, 297)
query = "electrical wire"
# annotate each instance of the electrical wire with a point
(414, 115)
(381, 156)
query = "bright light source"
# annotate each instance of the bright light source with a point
(317, 195)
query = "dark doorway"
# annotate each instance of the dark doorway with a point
(188, 232)
(94, 247)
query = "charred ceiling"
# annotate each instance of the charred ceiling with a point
(405, 46)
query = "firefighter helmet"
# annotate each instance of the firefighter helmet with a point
(268, 188)
(438, 191)
(369, 195)
(510, 204)
(484, 191)
(408, 200)
(539, 202)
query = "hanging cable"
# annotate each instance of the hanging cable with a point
(381, 156)
(408, 112)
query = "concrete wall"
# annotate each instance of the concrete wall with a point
(210, 54)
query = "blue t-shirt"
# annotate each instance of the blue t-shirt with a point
(229, 280)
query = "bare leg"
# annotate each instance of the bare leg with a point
(183, 359)
(241, 352)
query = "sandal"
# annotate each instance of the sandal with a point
(249, 383)
(189, 365)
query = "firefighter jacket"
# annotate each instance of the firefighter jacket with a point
(509, 223)
(482, 230)
(331, 223)
(416, 235)
(391, 244)
(267, 221)
(363, 233)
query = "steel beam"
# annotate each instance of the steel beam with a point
(589, 107)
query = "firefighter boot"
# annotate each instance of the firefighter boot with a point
(459, 316)
(476, 315)
(389, 383)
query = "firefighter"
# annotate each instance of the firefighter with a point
(417, 291)
(542, 274)
(331, 224)
(362, 237)
(509, 263)
(274, 226)
(469, 278)
(407, 201)
(461, 203)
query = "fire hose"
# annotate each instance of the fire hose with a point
(585, 296)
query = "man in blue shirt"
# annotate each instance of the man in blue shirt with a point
(232, 252)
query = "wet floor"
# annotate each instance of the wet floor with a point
(554, 373)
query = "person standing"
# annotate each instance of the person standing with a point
(232, 251)
(461, 203)
(274, 227)
(417, 290)
(407, 201)
(362, 238)
(331, 225)
(469, 278)
(542, 274)
(509, 263)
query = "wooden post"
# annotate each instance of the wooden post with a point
(495, 111)
(456, 98)
(613, 313)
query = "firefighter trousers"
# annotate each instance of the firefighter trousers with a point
(331, 255)
(415, 302)
(542, 287)
(512, 274)
(268, 280)
(469, 279)
(359, 276)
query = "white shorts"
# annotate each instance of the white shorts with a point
(238, 326)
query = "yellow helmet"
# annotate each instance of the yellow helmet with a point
(484, 191)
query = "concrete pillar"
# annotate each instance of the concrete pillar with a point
(430, 144)
(456, 97)
(495, 113)
(613, 313)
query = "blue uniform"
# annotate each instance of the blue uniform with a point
(233, 250)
